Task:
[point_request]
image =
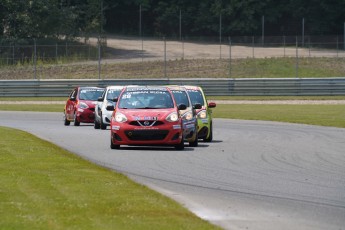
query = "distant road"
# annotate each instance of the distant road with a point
(134, 49)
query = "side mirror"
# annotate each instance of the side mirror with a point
(212, 104)
(72, 99)
(100, 99)
(197, 106)
(110, 108)
(181, 107)
(115, 99)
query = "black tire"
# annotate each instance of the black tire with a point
(76, 122)
(180, 146)
(66, 122)
(194, 143)
(102, 125)
(113, 146)
(210, 136)
(96, 125)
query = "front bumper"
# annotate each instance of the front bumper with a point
(189, 130)
(203, 128)
(165, 135)
(86, 115)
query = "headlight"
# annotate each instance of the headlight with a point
(202, 114)
(119, 117)
(83, 105)
(188, 116)
(172, 117)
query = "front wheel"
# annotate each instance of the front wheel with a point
(96, 124)
(66, 122)
(210, 135)
(112, 145)
(195, 142)
(76, 122)
(102, 125)
(180, 146)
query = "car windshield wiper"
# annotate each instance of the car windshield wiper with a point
(147, 107)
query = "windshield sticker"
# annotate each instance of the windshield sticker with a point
(193, 90)
(90, 90)
(146, 89)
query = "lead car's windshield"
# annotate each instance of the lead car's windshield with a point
(146, 99)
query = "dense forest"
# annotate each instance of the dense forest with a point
(70, 18)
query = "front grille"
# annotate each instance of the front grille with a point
(146, 135)
(146, 123)
(92, 109)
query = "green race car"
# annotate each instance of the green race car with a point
(204, 115)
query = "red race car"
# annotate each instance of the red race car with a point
(80, 105)
(146, 115)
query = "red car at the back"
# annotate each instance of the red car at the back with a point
(80, 105)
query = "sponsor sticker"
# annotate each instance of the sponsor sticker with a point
(176, 126)
(204, 121)
(190, 126)
(114, 127)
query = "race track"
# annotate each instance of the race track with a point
(255, 175)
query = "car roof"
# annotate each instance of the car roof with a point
(145, 87)
(89, 87)
(193, 87)
(176, 87)
(115, 87)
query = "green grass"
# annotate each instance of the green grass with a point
(281, 67)
(270, 98)
(286, 67)
(324, 115)
(32, 107)
(33, 98)
(46, 187)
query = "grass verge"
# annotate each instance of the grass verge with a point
(46, 187)
(32, 107)
(324, 115)
(274, 98)
(33, 98)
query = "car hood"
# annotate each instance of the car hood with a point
(202, 108)
(189, 109)
(91, 104)
(146, 114)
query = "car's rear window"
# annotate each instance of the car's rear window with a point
(196, 96)
(90, 94)
(146, 99)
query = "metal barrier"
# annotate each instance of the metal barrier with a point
(212, 87)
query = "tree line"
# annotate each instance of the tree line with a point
(171, 18)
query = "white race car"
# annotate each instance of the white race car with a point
(102, 115)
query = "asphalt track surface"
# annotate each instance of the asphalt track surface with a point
(254, 175)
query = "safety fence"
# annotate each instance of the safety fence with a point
(119, 57)
(212, 87)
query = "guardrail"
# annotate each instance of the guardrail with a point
(212, 87)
